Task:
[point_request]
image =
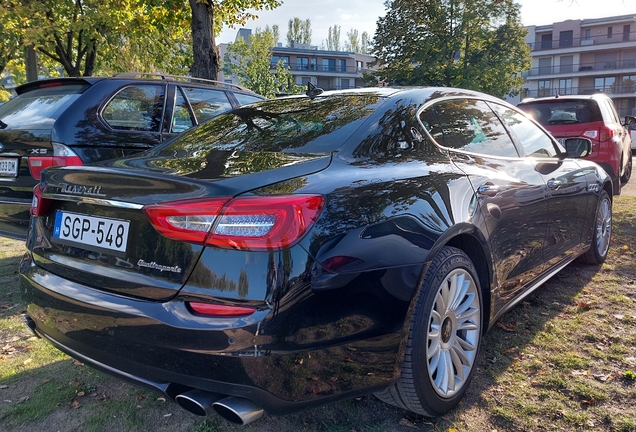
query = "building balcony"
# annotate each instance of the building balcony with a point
(591, 41)
(296, 69)
(584, 68)
(614, 91)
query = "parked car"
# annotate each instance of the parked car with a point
(593, 117)
(307, 249)
(632, 134)
(76, 121)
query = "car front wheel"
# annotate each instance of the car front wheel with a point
(443, 340)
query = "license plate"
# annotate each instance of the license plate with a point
(91, 231)
(8, 167)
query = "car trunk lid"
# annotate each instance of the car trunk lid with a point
(91, 227)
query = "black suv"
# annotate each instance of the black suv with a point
(77, 121)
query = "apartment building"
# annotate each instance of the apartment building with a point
(329, 70)
(584, 57)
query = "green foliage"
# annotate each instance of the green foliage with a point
(299, 31)
(333, 38)
(251, 63)
(475, 44)
(356, 43)
(10, 33)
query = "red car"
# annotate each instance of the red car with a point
(593, 117)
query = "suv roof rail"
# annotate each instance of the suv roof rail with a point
(181, 78)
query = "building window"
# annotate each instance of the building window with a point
(626, 30)
(544, 88)
(565, 86)
(546, 41)
(629, 84)
(565, 38)
(587, 34)
(304, 80)
(359, 65)
(545, 66)
(302, 63)
(276, 59)
(604, 84)
(328, 65)
(609, 32)
(314, 64)
(567, 63)
(342, 65)
(344, 83)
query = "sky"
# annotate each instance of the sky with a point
(362, 15)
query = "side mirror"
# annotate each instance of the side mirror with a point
(629, 120)
(577, 147)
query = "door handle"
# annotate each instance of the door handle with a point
(488, 189)
(554, 184)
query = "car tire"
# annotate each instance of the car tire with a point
(627, 173)
(602, 232)
(444, 338)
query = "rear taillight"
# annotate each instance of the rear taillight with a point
(39, 205)
(245, 223)
(606, 133)
(62, 156)
(219, 310)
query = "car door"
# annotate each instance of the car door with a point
(566, 185)
(508, 191)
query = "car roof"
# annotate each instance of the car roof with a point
(129, 76)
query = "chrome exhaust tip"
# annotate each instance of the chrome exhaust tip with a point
(197, 401)
(238, 410)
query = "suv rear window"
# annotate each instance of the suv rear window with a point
(39, 107)
(560, 112)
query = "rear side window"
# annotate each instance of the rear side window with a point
(562, 112)
(469, 125)
(138, 107)
(206, 103)
(40, 107)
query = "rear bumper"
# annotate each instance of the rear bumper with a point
(161, 346)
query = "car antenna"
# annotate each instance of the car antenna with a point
(312, 90)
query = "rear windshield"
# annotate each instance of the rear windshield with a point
(294, 125)
(40, 107)
(551, 113)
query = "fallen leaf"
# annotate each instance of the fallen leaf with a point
(78, 363)
(510, 351)
(80, 394)
(75, 404)
(161, 399)
(27, 361)
(585, 304)
(507, 327)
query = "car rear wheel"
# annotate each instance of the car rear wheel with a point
(444, 338)
(627, 173)
(602, 232)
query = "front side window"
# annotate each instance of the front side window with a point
(534, 141)
(468, 125)
(136, 107)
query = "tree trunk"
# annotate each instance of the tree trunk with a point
(91, 56)
(206, 56)
(31, 64)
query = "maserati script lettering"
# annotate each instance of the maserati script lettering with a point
(81, 190)
(161, 268)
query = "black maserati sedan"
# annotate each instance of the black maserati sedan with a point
(307, 249)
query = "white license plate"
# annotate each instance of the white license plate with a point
(93, 231)
(8, 167)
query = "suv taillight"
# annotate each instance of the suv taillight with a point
(244, 223)
(62, 156)
(606, 133)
